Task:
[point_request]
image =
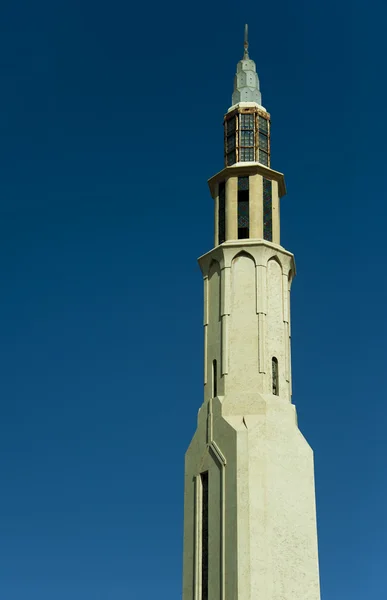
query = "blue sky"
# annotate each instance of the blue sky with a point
(110, 125)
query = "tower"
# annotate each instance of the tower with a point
(249, 504)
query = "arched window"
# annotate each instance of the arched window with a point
(274, 369)
(214, 379)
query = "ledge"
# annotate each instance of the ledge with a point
(248, 168)
(226, 252)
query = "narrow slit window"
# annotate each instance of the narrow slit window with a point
(222, 213)
(214, 379)
(243, 208)
(267, 210)
(204, 532)
(274, 368)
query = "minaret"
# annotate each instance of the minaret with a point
(249, 516)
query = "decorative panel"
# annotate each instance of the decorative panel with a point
(243, 351)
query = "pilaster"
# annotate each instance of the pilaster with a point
(276, 212)
(256, 207)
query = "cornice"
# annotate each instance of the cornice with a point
(247, 168)
(219, 253)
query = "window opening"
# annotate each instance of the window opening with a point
(214, 379)
(243, 208)
(274, 367)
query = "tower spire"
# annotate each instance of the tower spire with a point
(246, 44)
(246, 82)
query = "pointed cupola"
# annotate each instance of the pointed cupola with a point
(246, 123)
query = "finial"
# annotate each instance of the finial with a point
(246, 44)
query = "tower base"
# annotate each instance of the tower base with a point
(261, 515)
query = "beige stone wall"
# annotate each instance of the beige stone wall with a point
(247, 305)
(275, 326)
(262, 518)
(212, 329)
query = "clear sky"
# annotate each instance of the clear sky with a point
(111, 123)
